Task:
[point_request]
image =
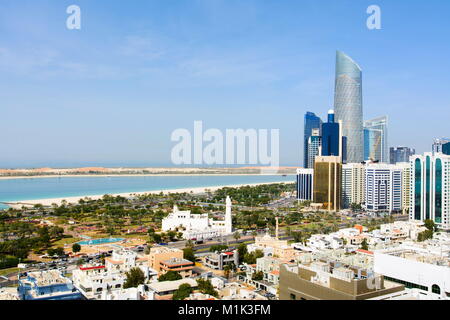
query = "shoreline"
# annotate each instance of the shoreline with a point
(75, 199)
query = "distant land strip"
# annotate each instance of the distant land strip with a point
(100, 171)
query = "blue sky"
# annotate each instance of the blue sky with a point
(112, 92)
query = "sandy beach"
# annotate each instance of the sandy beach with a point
(58, 201)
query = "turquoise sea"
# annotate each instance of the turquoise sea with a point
(60, 187)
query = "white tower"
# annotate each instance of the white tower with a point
(228, 219)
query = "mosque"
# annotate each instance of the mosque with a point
(198, 226)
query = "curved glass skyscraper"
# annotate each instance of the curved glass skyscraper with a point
(348, 105)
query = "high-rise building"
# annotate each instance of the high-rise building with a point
(327, 182)
(333, 143)
(311, 122)
(446, 148)
(375, 140)
(406, 185)
(305, 182)
(314, 146)
(348, 105)
(400, 154)
(353, 182)
(383, 188)
(438, 143)
(430, 189)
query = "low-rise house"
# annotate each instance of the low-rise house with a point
(162, 253)
(218, 260)
(236, 291)
(182, 266)
(47, 285)
(164, 290)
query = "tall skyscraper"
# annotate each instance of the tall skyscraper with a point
(305, 180)
(375, 140)
(438, 143)
(311, 122)
(400, 154)
(327, 182)
(333, 143)
(330, 136)
(348, 105)
(314, 146)
(430, 189)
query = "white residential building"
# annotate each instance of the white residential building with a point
(353, 184)
(94, 280)
(383, 188)
(416, 266)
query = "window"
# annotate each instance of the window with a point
(436, 289)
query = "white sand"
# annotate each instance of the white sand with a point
(58, 201)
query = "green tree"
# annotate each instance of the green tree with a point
(135, 277)
(205, 286)
(258, 276)
(364, 244)
(242, 250)
(170, 276)
(227, 271)
(188, 254)
(184, 290)
(76, 248)
(237, 235)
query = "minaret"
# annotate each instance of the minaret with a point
(276, 228)
(228, 219)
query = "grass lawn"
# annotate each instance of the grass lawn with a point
(64, 241)
(4, 272)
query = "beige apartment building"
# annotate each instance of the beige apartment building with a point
(160, 254)
(322, 280)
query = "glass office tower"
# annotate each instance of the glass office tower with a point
(348, 105)
(400, 154)
(375, 140)
(311, 122)
(330, 136)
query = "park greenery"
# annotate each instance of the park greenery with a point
(135, 277)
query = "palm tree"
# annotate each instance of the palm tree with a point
(237, 235)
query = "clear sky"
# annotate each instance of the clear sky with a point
(112, 92)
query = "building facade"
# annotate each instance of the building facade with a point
(47, 285)
(198, 226)
(376, 140)
(305, 182)
(327, 182)
(314, 147)
(383, 188)
(438, 144)
(400, 154)
(348, 105)
(430, 189)
(353, 184)
(311, 122)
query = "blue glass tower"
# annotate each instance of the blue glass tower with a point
(446, 148)
(348, 105)
(311, 122)
(330, 136)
